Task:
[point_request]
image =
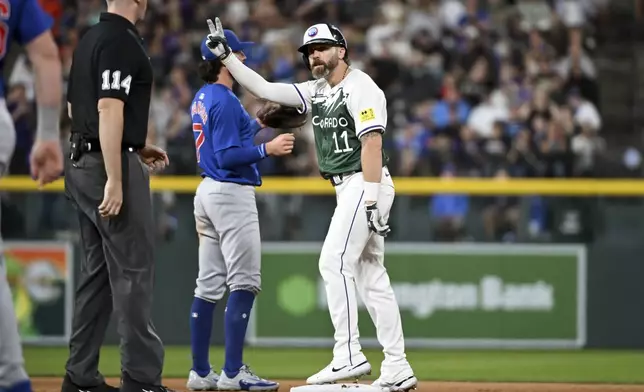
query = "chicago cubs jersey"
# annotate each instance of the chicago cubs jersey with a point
(220, 122)
(20, 21)
(340, 115)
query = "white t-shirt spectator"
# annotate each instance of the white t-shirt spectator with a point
(418, 20)
(388, 40)
(451, 12)
(588, 115)
(237, 11)
(575, 13)
(483, 117)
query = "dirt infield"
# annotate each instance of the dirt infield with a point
(53, 385)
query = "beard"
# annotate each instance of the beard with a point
(320, 69)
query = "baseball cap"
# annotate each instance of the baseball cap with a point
(233, 42)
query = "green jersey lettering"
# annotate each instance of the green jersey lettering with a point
(336, 143)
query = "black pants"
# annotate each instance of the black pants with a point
(117, 272)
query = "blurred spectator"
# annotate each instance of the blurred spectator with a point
(450, 112)
(448, 212)
(501, 216)
(585, 114)
(522, 159)
(484, 116)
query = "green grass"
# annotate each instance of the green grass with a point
(588, 366)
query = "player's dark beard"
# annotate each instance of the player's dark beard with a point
(320, 69)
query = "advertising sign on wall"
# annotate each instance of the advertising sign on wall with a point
(40, 275)
(449, 296)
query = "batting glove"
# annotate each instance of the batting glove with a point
(216, 40)
(376, 223)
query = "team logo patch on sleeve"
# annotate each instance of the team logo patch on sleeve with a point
(367, 115)
(199, 109)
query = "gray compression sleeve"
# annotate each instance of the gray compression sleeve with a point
(48, 123)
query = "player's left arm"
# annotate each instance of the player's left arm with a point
(34, 33)
(369, 110)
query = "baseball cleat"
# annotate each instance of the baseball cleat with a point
(336, 372)
(69, 386)
(245, 380)
(198, 383)
(402, 381)
(128, 384)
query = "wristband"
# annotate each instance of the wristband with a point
(48, 127)
(226, 60)
(371, 191)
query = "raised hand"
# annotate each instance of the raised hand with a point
(216, 40)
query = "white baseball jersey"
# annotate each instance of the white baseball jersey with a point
(340, 115)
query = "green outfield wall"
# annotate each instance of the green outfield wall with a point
(449, 296)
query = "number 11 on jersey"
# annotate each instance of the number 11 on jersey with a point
(344, 139)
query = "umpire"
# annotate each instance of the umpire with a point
(107, 180)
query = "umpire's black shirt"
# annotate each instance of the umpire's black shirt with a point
(110, 62)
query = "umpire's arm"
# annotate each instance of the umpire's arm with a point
(114, 73)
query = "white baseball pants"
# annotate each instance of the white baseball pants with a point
(352, 258)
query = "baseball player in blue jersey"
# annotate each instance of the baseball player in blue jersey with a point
(226, 222)
(25, 22)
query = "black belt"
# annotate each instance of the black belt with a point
(94, 145)
(337, 179)
(80, 145)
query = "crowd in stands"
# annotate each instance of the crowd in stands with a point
(475, 88)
